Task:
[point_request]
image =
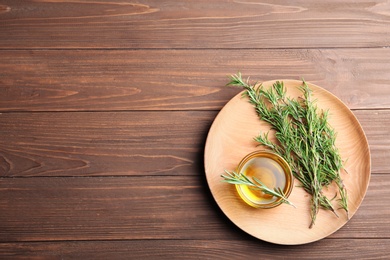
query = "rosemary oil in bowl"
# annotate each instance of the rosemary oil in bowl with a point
(272, 171)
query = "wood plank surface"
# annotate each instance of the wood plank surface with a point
(195, 249)
(144, 207)
(127, 143)
(97, 80)
(105, 108)
(193, 24)
(112, 143)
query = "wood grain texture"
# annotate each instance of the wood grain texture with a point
(105, 107)
(101, 80)
(375, 124)
(114, 208)
(127, 143)
(87, 144)
(199, 24)
(195, 249)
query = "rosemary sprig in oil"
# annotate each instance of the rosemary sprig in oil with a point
(256, 184)
(304, 139)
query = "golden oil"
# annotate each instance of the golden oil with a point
(272, 170)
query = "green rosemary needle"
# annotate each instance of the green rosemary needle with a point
(304, 139)
(256, 184)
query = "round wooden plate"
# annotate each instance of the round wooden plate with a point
(231, 137)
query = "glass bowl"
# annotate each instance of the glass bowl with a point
(272, 170)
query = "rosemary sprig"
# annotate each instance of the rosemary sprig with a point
(304, 139)
(256, 184)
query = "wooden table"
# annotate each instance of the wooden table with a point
(106, 105)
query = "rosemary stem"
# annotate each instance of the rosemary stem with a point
(303, 138)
